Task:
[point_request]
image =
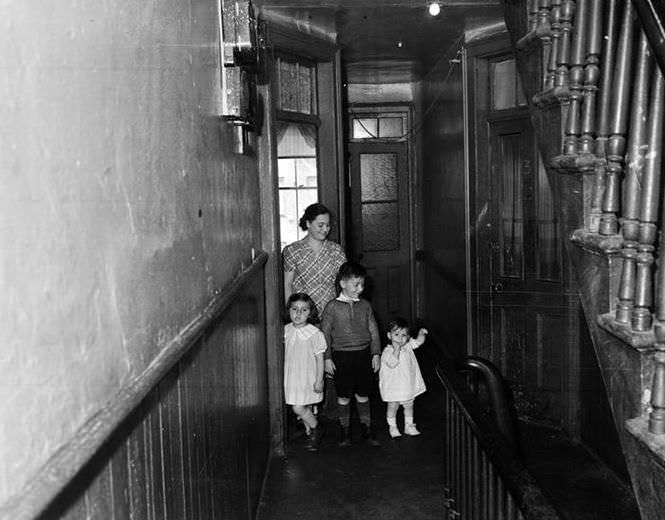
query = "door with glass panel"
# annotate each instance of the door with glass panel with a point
(526, 302)
(380, 233)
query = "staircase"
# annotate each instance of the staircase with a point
(593, 77)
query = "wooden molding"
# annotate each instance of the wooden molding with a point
(56, 473)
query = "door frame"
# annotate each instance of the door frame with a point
(479, 55)
(414, 202)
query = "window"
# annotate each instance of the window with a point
(384, 126)
(298, 176)
(505, 85)
(297, 143)
(297, 92)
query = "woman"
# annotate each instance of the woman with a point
(311, 264)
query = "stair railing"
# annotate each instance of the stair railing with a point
(498, 396)
(611, 86)
(484, 476)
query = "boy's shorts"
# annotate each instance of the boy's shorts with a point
(353, 372)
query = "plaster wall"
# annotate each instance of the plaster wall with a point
(122, 209)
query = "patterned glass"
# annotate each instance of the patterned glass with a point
(390, 127)
(288, 86)
(504, 83)
(365, 128)
(297, 87)
(549, 267)
(305, 89)
(378, 177)
(380, 226)
(512, 226)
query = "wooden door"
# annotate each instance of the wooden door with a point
(523, 309)
(380, 230)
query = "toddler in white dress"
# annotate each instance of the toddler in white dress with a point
(400, 380)
(304, 345)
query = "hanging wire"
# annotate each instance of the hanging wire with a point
(418, 125)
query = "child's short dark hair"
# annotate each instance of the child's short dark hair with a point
(397, 323)
(313, 317)
(351, 270)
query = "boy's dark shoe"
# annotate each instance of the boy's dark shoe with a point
(368, 435)
(314, 439)
(344, 437)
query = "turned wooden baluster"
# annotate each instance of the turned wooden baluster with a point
(616, 144)
(533, 9)
(544, 31)
(591, 75)
(576, 76)
(604, 112)
(634, 168)
(555, 32)
(650, 198)
(563, 53)
(657, 415)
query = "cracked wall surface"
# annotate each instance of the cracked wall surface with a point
(122, 209)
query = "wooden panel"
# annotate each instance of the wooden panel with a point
(197, 446)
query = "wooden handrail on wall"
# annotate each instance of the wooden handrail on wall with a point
(56, 474)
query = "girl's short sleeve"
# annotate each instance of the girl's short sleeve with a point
(317, 343)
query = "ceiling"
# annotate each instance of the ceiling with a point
(386, 41)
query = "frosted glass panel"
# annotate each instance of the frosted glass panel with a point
(380, 226)
(390, 127)
(297, 87)
(549, 267)
(512, 227)
(288, 86)
(504, 83)
(365, 128)
(378, 177)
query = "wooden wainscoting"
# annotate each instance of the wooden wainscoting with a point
(197, 444)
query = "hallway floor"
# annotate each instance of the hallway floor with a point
(403, 478)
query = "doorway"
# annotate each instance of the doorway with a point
(523, 317)
(380, 207)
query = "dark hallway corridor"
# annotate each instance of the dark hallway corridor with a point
(404, 478)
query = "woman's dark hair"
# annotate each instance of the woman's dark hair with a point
(397, 323)
(313, 317)
(311, 212)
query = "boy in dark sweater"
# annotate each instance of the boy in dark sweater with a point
(354, 349)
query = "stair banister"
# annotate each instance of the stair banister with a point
(633, 181)
(591, 75)
(617, 141)
(576, 78)
(652, 14)
(563, 54)
(610, 37)
(649, 204)
(555, 28)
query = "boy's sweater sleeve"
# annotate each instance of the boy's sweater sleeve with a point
(326, 326)
(375, 342)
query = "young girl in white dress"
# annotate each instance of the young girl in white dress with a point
(400, 380)
(304, 345)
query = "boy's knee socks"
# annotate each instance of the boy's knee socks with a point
(343, 411)
(363, 412)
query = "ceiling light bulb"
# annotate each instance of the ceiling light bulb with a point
(434, 8)
(399, 44)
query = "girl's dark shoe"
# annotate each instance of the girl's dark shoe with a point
(345, 437)
(368, 435)
(314, 439)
